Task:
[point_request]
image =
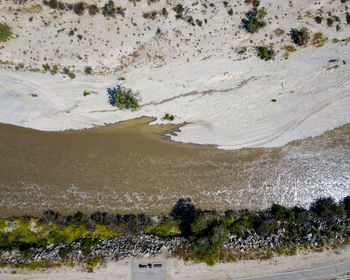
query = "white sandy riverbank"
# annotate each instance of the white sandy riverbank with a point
(224, 97)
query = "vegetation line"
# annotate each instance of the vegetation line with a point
(187, 232)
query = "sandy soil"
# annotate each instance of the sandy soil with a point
(193, 72)
(177, 269)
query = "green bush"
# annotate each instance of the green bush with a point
(64, 252)
(5, 32)
(168, 117)
(108, 9)
(254, 20)
(166, 228)
(79, 8)
(46, 67)
(67, 72)
(300, 37)
(88, 70)
(318, 19)
(93, 10)
(266, 53)
(330, 21)
(123, 98)
(325, 208)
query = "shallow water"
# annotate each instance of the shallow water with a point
(129, 168)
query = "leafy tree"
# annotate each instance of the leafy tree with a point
(324, 208)
(185, 212)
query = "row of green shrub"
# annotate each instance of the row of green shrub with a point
(79, 8)
(206, 231)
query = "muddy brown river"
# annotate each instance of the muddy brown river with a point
(129, 168)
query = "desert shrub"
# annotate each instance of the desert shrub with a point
(347, 18)
(289, 48)
(108, 9)
(266, 53)
(150, 15)
(88, 70)
(123, 98)
(179, 9)
(300, 37)
(46, 67)
(93, 10)
(54, 70)
(255, 3)
(318, 19)
(61, 6)
(86, 93)
(79, 8)
(330, 21)
(318, 40)
(5, 32)
(67, 72)
(168, 117)
(53, 4)
(254, 20)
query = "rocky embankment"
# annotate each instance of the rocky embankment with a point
(315, 234)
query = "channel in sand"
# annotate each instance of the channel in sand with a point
(129, 167)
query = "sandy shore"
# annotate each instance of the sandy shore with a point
(178, 270)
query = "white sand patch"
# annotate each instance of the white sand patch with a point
(231, 110)
(190, 71)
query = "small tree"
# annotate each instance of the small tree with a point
(254, 20)
(108, 9)
(300, 37)
(265, 53)
(93, 10)
(5, 32)
(79, 8)
(123, 98)
(88, 70)
(168, 117)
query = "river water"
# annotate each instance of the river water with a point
(129, 168)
